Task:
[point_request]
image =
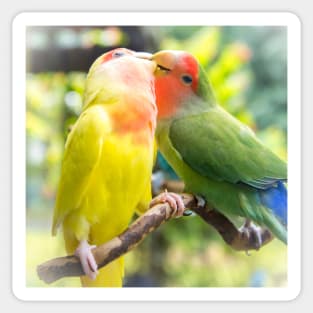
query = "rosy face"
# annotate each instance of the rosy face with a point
(125, 78)
(176, 77)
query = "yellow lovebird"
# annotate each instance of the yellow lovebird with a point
(108, 160)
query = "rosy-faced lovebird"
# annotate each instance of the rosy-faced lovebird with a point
(217, 156)
(108, 160)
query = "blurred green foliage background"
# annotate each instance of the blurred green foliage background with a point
(247, 67)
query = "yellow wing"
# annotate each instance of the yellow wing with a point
(82, 153)
(145, 200)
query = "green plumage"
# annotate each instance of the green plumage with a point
(220, 158)
(219, 147)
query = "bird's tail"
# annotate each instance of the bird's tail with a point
(109, 276)
(275, 200)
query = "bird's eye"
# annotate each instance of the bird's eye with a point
(187, 79)
(118, 54)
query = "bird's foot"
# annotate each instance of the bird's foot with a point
(200, 202)
(252, 233)
(87, 260)
(174, 200)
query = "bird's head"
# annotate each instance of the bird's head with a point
(123, 58)
(118, 72)
(179, 81)
(176, 80)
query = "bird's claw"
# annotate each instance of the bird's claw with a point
(200, 201)
(174, 200)
(253, 234)
(87, 260)
(188, 213)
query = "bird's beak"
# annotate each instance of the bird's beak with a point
(165, 61)
(147, 56)
(143, 55)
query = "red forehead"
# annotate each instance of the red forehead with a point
(189, 65)
(109, 55)
(171, 91)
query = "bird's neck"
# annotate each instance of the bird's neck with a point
(134, 116)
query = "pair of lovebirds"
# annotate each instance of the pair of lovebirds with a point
(131, 99)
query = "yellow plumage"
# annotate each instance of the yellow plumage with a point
(108, 159)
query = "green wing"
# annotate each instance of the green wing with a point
(218, 146)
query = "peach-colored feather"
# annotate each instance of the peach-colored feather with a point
(108, 157)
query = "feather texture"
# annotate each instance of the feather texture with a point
(108, 158)
(216, 155)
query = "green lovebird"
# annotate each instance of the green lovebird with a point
(217, 156)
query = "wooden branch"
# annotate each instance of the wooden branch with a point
(57, 268)
(236, 238)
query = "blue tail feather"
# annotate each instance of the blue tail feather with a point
(275, 198)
